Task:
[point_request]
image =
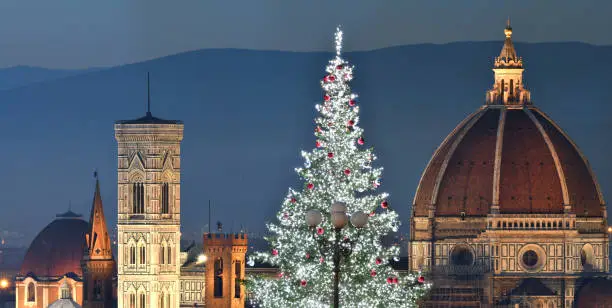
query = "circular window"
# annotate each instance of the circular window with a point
(530, 258)
(462, 255)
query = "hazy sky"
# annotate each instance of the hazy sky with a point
(78, 34)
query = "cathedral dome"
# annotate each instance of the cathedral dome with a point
(508, 158)
(58, 249)
(515, 159)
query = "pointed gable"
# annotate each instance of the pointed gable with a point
(98, 239)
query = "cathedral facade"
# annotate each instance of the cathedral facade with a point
(508, 212)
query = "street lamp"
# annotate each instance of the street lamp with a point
(4, 283)
(201, 258)
(339, 220)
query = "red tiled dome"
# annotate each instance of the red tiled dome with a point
(539, 169)
(57, 249)
(597, 293)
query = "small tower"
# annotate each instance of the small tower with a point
(225, 268)
(98, 262)
(508, 68)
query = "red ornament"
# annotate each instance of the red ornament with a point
(372, 214)
(339, 67)
(332, 78)
(293, 200)
(347, 171)
(285, 215)
(326, 97)
(307, 256)
(352, 103)
(372, 273)
(310, 186)
(384, 204)
(330, 155)
(389, 280)
(378, 261)
(274, 252)
(320, 231)
(303, 283)
(348, 76)
(360, 141)
(317, 129)
(326, 79)
(318, 144)
(351, 123)
(395, 280)
(421, 279)
(321, 260)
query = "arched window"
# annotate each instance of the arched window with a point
(461, 256)
(31, 292)
(162, 300)
(137, 198)
(237, 273)
(169, 254)
(97, 290)
(165, 199)
(143, 301)
(218, 289)
(142, 255)
(132, 300)
(162, 253)
(132, 254)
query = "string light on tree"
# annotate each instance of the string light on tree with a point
(338, 169)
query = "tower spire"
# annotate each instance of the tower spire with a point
(98, 240)
(148, 96)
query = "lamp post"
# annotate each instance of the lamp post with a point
(339, 220)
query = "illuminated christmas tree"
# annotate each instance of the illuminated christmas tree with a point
(338, 170)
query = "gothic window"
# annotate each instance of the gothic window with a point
(142, 255)
(237, 272)
(97, 290)
(137, 198)
(31, 292)
(132, 300)
(143, 301)
(162, 253)
(169, 254)
(132, 255)
(218, 289)
(165, 207)
(162, 300)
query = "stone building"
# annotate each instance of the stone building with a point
(508, 211)
(149, 212)
(63, 255)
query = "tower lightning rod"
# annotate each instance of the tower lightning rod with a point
(209, 216)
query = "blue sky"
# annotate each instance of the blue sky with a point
(80, 34)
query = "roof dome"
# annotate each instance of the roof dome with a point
(598, 291)
(509, 158)
(58, 248)
(518, 159)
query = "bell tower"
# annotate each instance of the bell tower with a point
(149, 211)
(98, 263)
(225, 268)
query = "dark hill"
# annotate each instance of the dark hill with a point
(248, 114)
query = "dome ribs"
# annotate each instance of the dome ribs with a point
(424, 191)
(529, 181)
(584, 194)
(466, 185)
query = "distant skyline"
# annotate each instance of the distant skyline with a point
(73, 34)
